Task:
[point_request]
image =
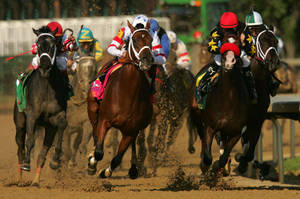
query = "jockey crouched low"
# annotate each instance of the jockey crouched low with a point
(229, 24)
(63, 45)
(117, 47)
(255, 25)
(87, 46)
(182, 55)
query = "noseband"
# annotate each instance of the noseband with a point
(260, 54)
(131, 47)
(52, 59)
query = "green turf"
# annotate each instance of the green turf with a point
(292, 164)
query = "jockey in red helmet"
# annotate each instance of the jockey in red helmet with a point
(64, 44)
(229, 23)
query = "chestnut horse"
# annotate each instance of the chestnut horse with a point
(226, 109)
(126, 104)
(265, 63)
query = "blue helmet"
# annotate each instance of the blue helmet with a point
(85, 35)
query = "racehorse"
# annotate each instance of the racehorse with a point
(46, 97)
(226, 108)
(126, 103)
(78, 122)
(265, 63)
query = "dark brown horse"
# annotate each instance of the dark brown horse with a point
(126, 103)
(226, 109)
(265, 63)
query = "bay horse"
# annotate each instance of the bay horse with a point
(266, 62)
(46, 97)
(126, 103)
(78, 121)
(226, 108)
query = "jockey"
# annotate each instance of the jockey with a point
(88, 46)
(164, 39)
(255, 24)
(183, 58)
(229, 24)
(63, 45)
(124, 35)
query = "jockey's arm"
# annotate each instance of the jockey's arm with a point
(34, 49)
(99, 51)
(117, 41)
(214, 40)
(249, 45)
(158, 53)
(69, 43)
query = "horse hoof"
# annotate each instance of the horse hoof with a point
(242, 168)
(204, 168)
(191, 150)
(216, 166)
(238, 157)
(25, 167)
(133, 172)
(104, 174)
(54, 165)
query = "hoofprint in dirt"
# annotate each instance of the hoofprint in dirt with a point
(76, 182)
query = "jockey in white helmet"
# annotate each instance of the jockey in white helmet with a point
(116, 47)
(183, 58)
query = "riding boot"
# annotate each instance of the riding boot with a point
(250, 83)
(273, 85)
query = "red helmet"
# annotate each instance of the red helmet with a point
(55, 25)
(229, 20)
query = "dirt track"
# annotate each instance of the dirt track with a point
(75, 183)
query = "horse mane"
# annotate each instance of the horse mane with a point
(44, 29)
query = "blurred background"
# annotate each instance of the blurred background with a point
(192, 20)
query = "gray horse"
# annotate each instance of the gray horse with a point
(78, 123)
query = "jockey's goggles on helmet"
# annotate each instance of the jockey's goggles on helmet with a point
(86, 43)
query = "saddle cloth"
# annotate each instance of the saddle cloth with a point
(98, 87)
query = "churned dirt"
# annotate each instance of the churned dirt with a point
(180, 177)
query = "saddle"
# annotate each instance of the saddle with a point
(205, 83)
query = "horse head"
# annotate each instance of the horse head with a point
(140, 47)
(46, 49)
(230, 55)
(266, 50)
(85, 72)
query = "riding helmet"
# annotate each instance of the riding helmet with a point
(229, 20)
(55, 25)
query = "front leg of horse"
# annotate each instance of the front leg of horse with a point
(50, 132)
(206, 157)
(30, 127)
(225, 160)
(61, 123)
(116, 161)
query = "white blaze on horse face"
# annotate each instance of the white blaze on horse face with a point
(230, 60)
(231, 40)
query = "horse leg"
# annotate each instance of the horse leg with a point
(50, 132)
(61, 123)
(67, 145)
(206, 157)
(30, 129)
(133, 171)
(224, 158)
(75, 147)
(97, 155)
(150, 137)
(192, 130)
(86, 136)
(116, 161)
(250, 138)
(20, 140)
(142, 152)
(173, 132)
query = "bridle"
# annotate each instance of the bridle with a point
(260, 54)
(136, 53)
(52, 59)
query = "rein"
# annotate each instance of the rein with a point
(52, 59)
(260, 54)
(131, 46)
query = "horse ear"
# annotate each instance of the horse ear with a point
(148, 25)
(130, 26)
(36, 32)
(54, 32)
